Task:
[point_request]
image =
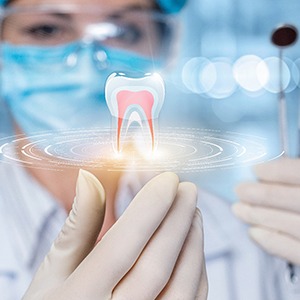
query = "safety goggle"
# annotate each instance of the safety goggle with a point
(142, 32)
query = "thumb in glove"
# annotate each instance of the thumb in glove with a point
(77, 237)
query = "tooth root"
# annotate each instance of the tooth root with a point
(143, 96)
(126, 100)
(152, 133)
(120, 125)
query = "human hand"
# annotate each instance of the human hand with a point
(272, 207)
(153, 251)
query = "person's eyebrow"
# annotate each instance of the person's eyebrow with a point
(138, 7)
(133, 7)
(61, 15)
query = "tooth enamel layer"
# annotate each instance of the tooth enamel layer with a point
(134, 100)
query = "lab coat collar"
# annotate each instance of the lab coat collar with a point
(26, 213)
(8, 264)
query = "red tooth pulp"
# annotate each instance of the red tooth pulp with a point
(142, 98)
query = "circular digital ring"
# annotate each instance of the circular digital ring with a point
(180, 150)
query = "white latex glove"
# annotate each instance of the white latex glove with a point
(272, 207)
(153, 251)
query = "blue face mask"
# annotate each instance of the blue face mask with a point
(45, 94)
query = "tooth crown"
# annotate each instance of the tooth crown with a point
(118, 82)
(134, 100)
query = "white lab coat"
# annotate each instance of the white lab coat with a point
(237, 269)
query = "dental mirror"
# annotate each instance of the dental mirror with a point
(282, 37)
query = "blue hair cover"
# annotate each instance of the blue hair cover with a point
(171, 6)
(167, 6)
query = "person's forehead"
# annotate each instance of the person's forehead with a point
(118, 4)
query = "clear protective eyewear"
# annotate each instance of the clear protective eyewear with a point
(142, 33)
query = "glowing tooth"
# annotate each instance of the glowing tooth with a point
(134, 100)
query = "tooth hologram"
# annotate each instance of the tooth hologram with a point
(134, 100)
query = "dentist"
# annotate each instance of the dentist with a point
(52, 70)
(54, 64)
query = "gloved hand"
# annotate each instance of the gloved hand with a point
(153, 251)
(272, 207)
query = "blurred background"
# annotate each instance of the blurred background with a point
(227, 77)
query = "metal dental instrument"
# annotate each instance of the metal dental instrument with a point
(282, 37)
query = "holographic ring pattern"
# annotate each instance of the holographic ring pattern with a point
(179, 150)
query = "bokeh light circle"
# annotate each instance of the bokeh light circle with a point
(224, 82)
(296, 72)
(272, 85)
(251, 73)
(192, 75)
(294, 75)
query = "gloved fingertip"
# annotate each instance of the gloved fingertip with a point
(88, 184)
(238, 209)
(238, 190)
(257, 234)
(170, 175)
(244, 191)
(191, 186)
(259, 170)
(265, 168)
(163, 182)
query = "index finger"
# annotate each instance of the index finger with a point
(117, 252)
(280, 196)
(284, 170)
